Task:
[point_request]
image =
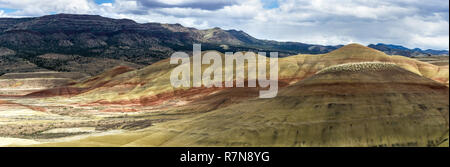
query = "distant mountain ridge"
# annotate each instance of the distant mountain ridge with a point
(68, 31)
(80, 40)
(403, 51)
(93, 37)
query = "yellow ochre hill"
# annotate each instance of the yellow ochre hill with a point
(355, 50)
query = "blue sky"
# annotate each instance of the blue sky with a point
(103, 1)
(270, 4)
(411, 23)
(7, 10)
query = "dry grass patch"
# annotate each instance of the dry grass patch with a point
(359, 67)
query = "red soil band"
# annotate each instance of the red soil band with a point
(35, 108)
(189, 94)
(61, 91)
(119, 110)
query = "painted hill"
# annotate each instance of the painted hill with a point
(303, 66)
(355, 51)
(385, 106)
(337, 99)
(147, 85)
(356, 104)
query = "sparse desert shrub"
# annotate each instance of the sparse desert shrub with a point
(359, 67)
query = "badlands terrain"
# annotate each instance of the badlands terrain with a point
(351, 96)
